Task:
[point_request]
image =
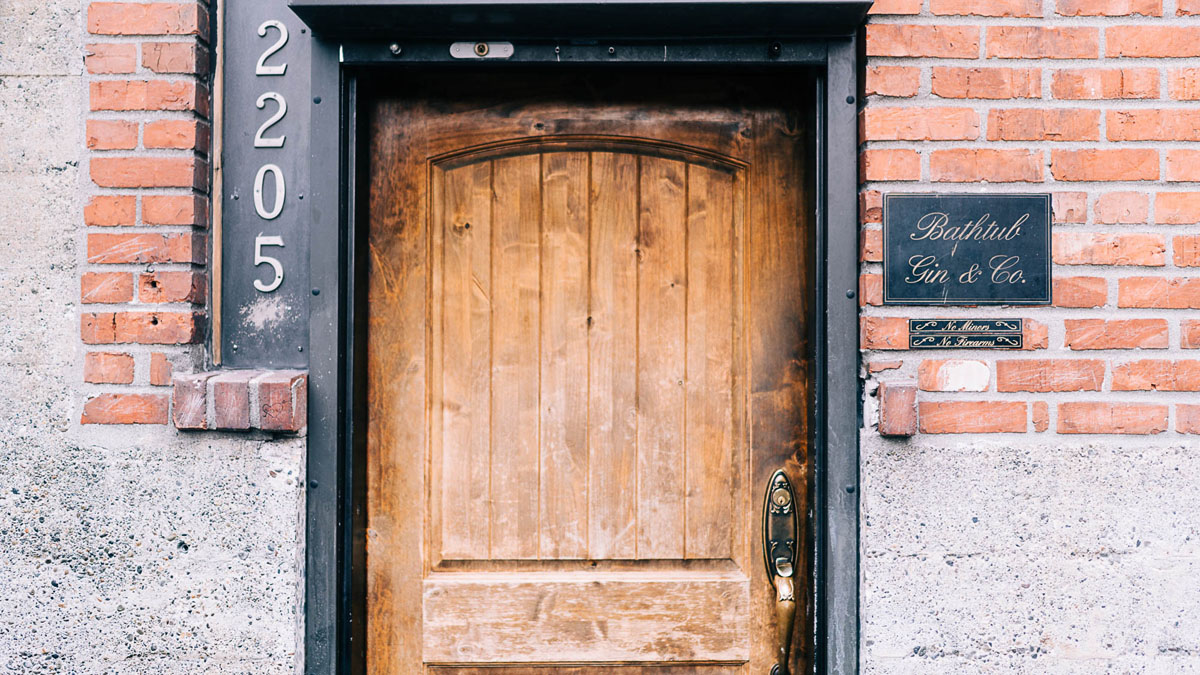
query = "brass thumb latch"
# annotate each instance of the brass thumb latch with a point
(780, 532)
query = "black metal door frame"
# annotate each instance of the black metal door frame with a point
(335, 534)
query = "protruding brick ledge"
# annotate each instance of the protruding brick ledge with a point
(897, 409)
(241, 400)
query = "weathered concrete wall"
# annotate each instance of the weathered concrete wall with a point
(122, 549)
(1027, 557)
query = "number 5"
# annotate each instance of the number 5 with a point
(260, 259)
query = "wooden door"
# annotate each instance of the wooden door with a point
(587, 356)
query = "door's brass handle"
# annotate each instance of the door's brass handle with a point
(780, 532)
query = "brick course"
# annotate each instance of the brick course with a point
(989, 83)
(962, 417)
(239, 400)
(125, 409)
(149, 136)
(1104, 83)
(1111, 418)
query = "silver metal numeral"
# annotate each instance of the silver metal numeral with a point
(259, 259)
(280, 192)
(261, 141)
(262, 68)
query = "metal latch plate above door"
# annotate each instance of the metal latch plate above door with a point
(481, 50)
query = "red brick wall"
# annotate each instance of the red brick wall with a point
(1096, 102)
(143, 288)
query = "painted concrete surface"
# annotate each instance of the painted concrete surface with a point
(994, 557)
(122, 549)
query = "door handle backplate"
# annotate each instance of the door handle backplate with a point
(780, 532)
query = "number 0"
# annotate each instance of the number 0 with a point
(259, 259)
(258, 192)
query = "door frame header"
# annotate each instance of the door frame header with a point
(335, 549)
(582, 18)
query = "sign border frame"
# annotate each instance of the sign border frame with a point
(970, 302)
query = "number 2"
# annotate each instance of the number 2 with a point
(262, 68)
(261, 141)
(259, 259)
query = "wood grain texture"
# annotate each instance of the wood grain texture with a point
(397, 402)
(574, 404)
(661, 362)
(516, 378)
(512, 237)
(776, 279)
(612, 349)
(564, 460)
(622, 669)
(465, 451)
(709, 437)
(543, 618)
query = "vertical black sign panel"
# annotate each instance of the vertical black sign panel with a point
(966, 249)
(264, 241)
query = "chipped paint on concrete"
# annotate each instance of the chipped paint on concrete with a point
(263, 312)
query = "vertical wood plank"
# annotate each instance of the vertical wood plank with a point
(710, 329)
(564, 469)
(612, 354)
(662, 301)
(743, 493)
(397, 394)
(466, 366)
(515, 325)
(776, 265)
(432, 456)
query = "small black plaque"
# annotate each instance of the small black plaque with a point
(965, 334)
(966, 249)
(965, 326)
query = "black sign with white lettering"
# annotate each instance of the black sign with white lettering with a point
(965, 333)
(966, 249)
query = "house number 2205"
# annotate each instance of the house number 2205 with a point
(269, 174)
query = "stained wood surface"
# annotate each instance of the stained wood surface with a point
(465, 332)
(612, 339)
(516, 370)
(586, 355)
(564, 459)
(583, 328)
(518, 618)
(711, 324)
(662, 294)
(622, 669)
